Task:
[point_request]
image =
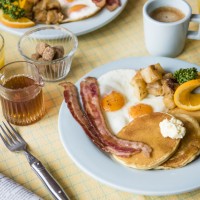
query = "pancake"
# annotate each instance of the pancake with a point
(189, 147)
(75, 10)
(195, 114)
(146, 129)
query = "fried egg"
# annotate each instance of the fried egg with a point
(119, 104)
(74, 10)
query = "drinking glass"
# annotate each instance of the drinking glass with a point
(2, 56)
(21, 93)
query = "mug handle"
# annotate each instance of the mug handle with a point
(195, 35)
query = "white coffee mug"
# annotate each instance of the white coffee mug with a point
(168, 39)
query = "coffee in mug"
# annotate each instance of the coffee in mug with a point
(166, 25)
(167, 14)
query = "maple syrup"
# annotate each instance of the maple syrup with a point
(23, 102)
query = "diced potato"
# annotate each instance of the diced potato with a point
(169, 86)
(150, 74)
(159, 68)
(168, 89)
(155, 88)
(168, 75)
(139, 85)
(137, 75)
(168, 100)
(140, 88)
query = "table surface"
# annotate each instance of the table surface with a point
(122, 38)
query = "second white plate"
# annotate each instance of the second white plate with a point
(80, 27)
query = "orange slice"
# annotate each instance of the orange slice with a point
(22, 22)
(26, 5)
(185, 99)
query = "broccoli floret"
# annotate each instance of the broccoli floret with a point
(184, 75)
(11, 7)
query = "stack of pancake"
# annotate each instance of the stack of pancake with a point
(167, 153)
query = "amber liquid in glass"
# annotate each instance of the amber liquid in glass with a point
(21, 110)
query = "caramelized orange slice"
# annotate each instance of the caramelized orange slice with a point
(22, 22)
(185, 99)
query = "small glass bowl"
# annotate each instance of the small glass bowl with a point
(58, 68)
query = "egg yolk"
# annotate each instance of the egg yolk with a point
(139, 110)
(113, 101)
(76, 8)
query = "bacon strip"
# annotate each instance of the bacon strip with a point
(71, 98)
(112, 4)
(99, 3)
(90, 98)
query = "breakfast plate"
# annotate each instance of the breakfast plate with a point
(106, 170)
(79, 27)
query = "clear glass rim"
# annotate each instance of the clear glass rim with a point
(25, 88)
(2, 46)
(70, 54)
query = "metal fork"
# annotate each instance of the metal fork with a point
(14, 142)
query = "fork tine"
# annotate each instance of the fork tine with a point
(16, 133)
(4, 141)
(6, 135)
(12, 136)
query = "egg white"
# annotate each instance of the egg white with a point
(86, 12)
(119, 80)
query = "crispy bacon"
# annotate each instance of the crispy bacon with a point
(71, 98)
(99, 3)
(112, 4)
(90, 98)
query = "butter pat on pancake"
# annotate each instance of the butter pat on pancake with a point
(146, 129)
(189, 147)
(75, 10)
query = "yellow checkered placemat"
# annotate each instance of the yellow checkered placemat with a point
(121, 38)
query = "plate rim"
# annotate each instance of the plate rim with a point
(149, 192)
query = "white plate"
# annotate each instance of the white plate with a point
(98, 165)
(80, 27)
